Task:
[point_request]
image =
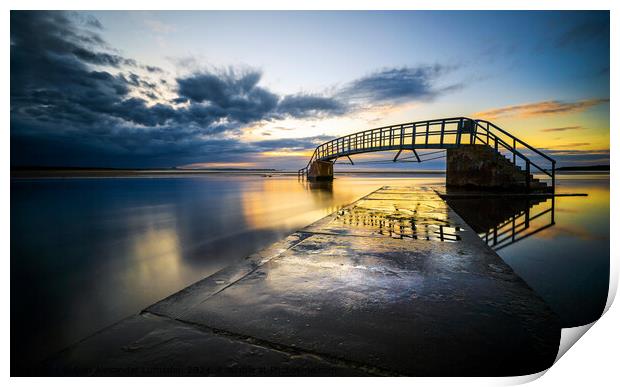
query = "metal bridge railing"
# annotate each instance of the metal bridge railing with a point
(441, 133)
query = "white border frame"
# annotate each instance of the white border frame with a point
(594, 358)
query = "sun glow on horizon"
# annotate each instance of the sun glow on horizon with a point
(216, 164)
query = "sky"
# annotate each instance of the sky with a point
(262, 89)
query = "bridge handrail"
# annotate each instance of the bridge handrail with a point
(517, 139)
(361, 133)
(521, 155)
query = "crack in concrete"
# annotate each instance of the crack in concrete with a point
(287, 350)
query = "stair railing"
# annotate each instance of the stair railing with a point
(500, 139)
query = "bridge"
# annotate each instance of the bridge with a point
(479, 153)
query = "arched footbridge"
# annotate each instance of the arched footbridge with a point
(479, 153)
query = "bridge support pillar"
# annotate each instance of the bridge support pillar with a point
(321, 171)
(479, 167)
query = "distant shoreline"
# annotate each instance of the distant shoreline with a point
(597, 168)
(93, 173)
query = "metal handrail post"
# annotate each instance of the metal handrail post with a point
(527, 174)
(553, 175)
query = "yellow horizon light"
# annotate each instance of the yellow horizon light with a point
(283, 153)
(223, 164)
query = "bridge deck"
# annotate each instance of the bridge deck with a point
(395, 283)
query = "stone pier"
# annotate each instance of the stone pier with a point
(479, 167)
(321, 171)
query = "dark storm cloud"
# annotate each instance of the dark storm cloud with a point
(64, 109)
(233, 95)
(305, 105)
(225, 89)
(49, 34)
(76, 101)
(291, 143)
(102, 58)
(398, 84)
(120, 148)
(51, 77)
(238, 95)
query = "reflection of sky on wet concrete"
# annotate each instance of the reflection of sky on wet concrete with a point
(406, 212)
(88, 252)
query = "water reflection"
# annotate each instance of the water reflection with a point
(321, 187)
(86, 253)
(417, 213)
(560, 246)
(502, 221)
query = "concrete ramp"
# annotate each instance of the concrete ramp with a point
(394, 284)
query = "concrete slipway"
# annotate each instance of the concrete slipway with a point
(393, 284)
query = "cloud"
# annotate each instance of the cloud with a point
(307, 105)
(76, 101)
(572, 145)
(567, 157)
(63, 107)
(153, 69)
(542, 108)
(237, 97)
(224, 89)
(585, 32)
(577, 151)
(102, 58)
(219, 165)
(290, 143)
(231, 95)
(562, 129)
(397, 85)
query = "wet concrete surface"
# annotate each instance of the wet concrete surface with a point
(149, 345)
(394, 284)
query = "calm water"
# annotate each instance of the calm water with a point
(88, 252)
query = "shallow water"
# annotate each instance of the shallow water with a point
(88, 252)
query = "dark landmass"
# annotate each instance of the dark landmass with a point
(28, 172)
(48, 168)
(48, 172)
(585, 168)
(229, 169)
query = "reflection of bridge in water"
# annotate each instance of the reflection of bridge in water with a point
(503, 221)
